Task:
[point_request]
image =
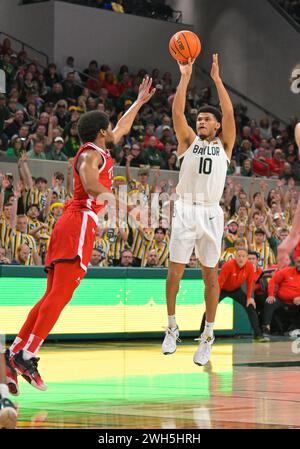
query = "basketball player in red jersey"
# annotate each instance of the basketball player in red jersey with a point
(73, 237)
(293, 239)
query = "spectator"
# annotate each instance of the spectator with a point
(232, 276)
(23, 254)
(126, 258)
(72, 142)
(70, 89)
(56, 151)
(262, 247)
(153, 155)
(193, 263)
(14, 124)
(260, 163)
(16, 148)
(152, 259)
(3, 259)
(276, 163)
(69, 68)
(38, 151)
(51, 76)
(135, 158)
(97, 259)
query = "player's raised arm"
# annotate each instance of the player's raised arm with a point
(124, 125)
(184, 133)
(297, 138)
(228, 133)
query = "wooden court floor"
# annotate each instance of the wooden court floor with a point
(132, 385)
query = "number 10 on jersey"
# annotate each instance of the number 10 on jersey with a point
(205, 165)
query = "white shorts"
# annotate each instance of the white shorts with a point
(196, 226)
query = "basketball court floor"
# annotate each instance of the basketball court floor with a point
(127, 385)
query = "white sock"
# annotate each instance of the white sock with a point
(27, 355)
(208, 329)
(172, 321)
(4, 391)
(16, 341)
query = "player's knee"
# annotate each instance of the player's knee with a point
(211, 280)
(174, 275)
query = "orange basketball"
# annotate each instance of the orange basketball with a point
(184, 45)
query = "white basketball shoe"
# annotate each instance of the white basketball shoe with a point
(203, 353)
(169, 344)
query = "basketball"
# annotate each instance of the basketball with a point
(184, 45)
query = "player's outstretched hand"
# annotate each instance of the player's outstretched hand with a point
(215, 72)
(186, 69)
(146, 91)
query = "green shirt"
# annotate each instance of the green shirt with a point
(32, 155)
(52, 155)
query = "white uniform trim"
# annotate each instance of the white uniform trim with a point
(102, 152)
(82, 238)
(182, 155)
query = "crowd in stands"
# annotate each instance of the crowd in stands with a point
(38, 120)
(155, 9)
(292, 7)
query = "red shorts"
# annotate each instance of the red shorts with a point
(73, 237)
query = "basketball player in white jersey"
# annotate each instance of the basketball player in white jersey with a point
(198, 218)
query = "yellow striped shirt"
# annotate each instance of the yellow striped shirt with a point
(16, 239)
(34, 196)
(266, 255)
(162, 249)
(102, 245)
(137, 244)
(117, 245)
(4, 233)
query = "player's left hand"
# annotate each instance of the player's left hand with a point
(251, 302)
(146, 91)
(215, 73)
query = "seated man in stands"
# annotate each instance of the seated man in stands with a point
(232, 276)
(283, 291)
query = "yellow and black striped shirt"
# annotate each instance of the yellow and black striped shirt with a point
(4, 233)
(266, 255)
(16, 239)
(115, 241)
(34, 196)
(162, 249)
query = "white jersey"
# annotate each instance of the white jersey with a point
(203, 172)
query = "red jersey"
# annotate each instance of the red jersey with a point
(75, 231)
(287, 284)
(232, 276)
(81, 199)
(257, 286)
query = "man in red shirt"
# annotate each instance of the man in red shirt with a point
(233, 275)
(260, 164)
(283, 290)
(276, 163)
